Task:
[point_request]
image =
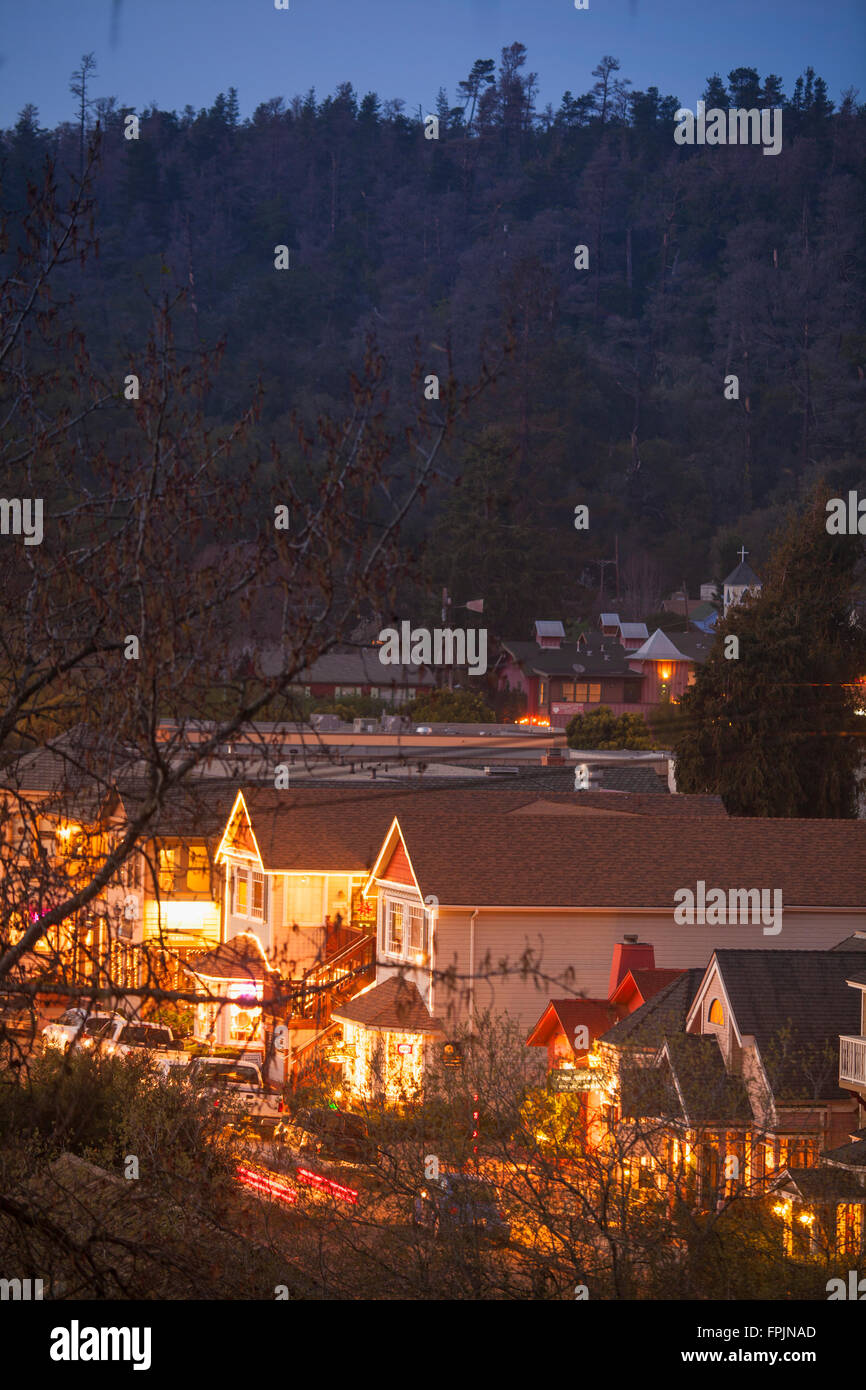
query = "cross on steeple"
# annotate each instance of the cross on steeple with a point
(742, 552)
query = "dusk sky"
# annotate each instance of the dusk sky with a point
(175, 52)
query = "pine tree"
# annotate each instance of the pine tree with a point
(774, 732)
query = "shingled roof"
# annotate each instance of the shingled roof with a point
(394, 1006)
(705, 1092)
(660, 1017)
(240, 958)
(806, 992)
(570, 861)
(742, 575)
(340, 829)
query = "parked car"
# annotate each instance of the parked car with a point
(99, 1034)
(334, 1136)
(133, 1039)
(462, 1202)
(70, 1027)
(225, 1082)
(424, 729)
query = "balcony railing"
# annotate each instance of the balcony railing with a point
(852, 1060)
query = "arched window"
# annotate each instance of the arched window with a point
(717, 1013)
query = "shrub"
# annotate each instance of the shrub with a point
(603, 729)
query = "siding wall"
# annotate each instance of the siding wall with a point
(583, 943)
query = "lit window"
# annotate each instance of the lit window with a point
(717, 1013)
(417, 929)
(257, 906)
(394, 941)
(241, 892)
(166, 870)
(586, 693)
(198, 870)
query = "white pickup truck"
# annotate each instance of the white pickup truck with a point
(70, 1027)
(114, 1036)
(228, 1082)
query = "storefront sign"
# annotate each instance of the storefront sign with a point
(579, 1079)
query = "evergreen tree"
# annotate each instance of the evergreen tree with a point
(774, 732)
(715, 94)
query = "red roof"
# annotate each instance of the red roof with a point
(565, 1015)
(642, 985)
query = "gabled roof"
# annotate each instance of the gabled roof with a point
(564, 1015)
(632, 630)
(851, 1155)
(609, 619)
(647, 983)
(195, 809)
(661, 1016)
(480, 858)
(774, 992)
(659, 647)
(855, 942)
(819, 1185)
(240, 958)
(363, 667)
(394, 1006)
(742, 576)
(705, 1091)
(607, 657)
(548, 629)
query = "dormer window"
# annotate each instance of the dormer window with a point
(405, 929)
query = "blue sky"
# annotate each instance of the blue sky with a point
(178, 51)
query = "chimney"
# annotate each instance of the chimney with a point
(629, 954)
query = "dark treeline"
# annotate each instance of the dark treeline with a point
(702, 263)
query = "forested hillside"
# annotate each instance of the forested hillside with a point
(702, 262)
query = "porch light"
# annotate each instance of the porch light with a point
(666, 673)
(780, 1209)
(807, 1219)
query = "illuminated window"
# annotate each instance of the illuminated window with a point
(241, 892)
(717, 1013)
(417, 929)
(166, 870)
(257, 903)
(542, 693)
(586, 693)
(394, 933)
(849, 1228)
(198, 870)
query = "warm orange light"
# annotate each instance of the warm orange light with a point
(666, 673)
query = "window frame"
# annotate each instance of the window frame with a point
(415, 927)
